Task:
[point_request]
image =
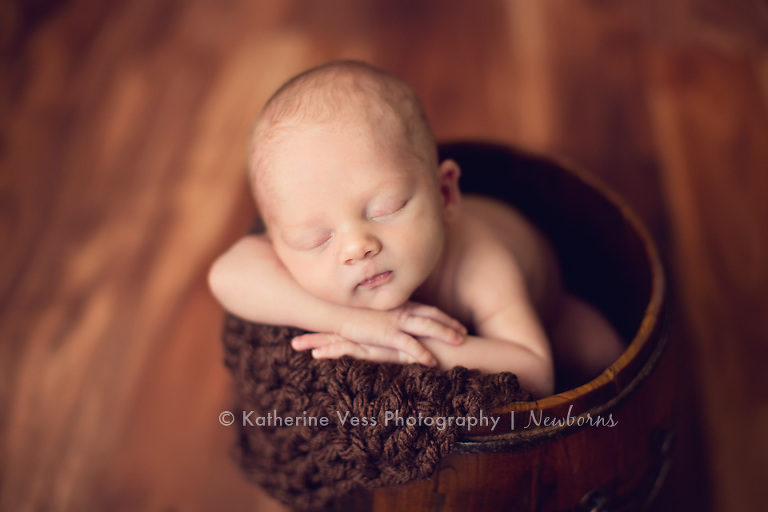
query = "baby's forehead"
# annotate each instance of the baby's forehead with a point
(289, 162)
(284, 178)
(278, 142)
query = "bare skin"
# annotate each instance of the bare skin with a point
(371, 247)
(495, 273)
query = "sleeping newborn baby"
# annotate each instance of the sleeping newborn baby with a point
(370, 245)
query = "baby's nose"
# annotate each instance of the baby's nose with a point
(360, 247)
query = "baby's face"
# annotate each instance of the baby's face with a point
(354, 224)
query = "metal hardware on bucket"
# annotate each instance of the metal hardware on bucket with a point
(644, 495)
(594, 501)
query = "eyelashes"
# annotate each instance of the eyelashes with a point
(308, 243)
(322, 238)
(322, 242)
(389, 212)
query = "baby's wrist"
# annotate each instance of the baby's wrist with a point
(344, 321)
(357, 323)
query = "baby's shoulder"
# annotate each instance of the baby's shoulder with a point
(498, 240)
(485, 220)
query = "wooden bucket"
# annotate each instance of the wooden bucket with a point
(605, 445)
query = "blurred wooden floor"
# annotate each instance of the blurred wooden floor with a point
(123, 129)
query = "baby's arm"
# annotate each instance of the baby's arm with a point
(507, 350)
(251, 282)
(510, 335)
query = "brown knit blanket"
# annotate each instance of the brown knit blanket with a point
(313, 458)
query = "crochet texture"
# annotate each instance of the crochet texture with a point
(309, 466)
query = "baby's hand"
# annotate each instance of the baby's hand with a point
(397, 330)
(332, 346)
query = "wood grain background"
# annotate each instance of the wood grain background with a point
(122, 139)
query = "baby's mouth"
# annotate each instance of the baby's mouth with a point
(376, 280)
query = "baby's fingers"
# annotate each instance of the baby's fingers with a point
(337, 349)
(436, 314)
(326, 346)
(367, 352)
(413, 348)
(315, 340)
(332, 346)
(423, 326)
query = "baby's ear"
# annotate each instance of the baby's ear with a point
(448, 174)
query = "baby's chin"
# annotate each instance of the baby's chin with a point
(379, 302)
(386, 305)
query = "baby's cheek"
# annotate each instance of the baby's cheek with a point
(325, 284)
(304, 273)
(425, 243)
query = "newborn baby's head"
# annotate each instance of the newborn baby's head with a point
(344, 170)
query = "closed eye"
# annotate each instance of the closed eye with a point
(389, 212)
(309, 243)
(320, 242)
